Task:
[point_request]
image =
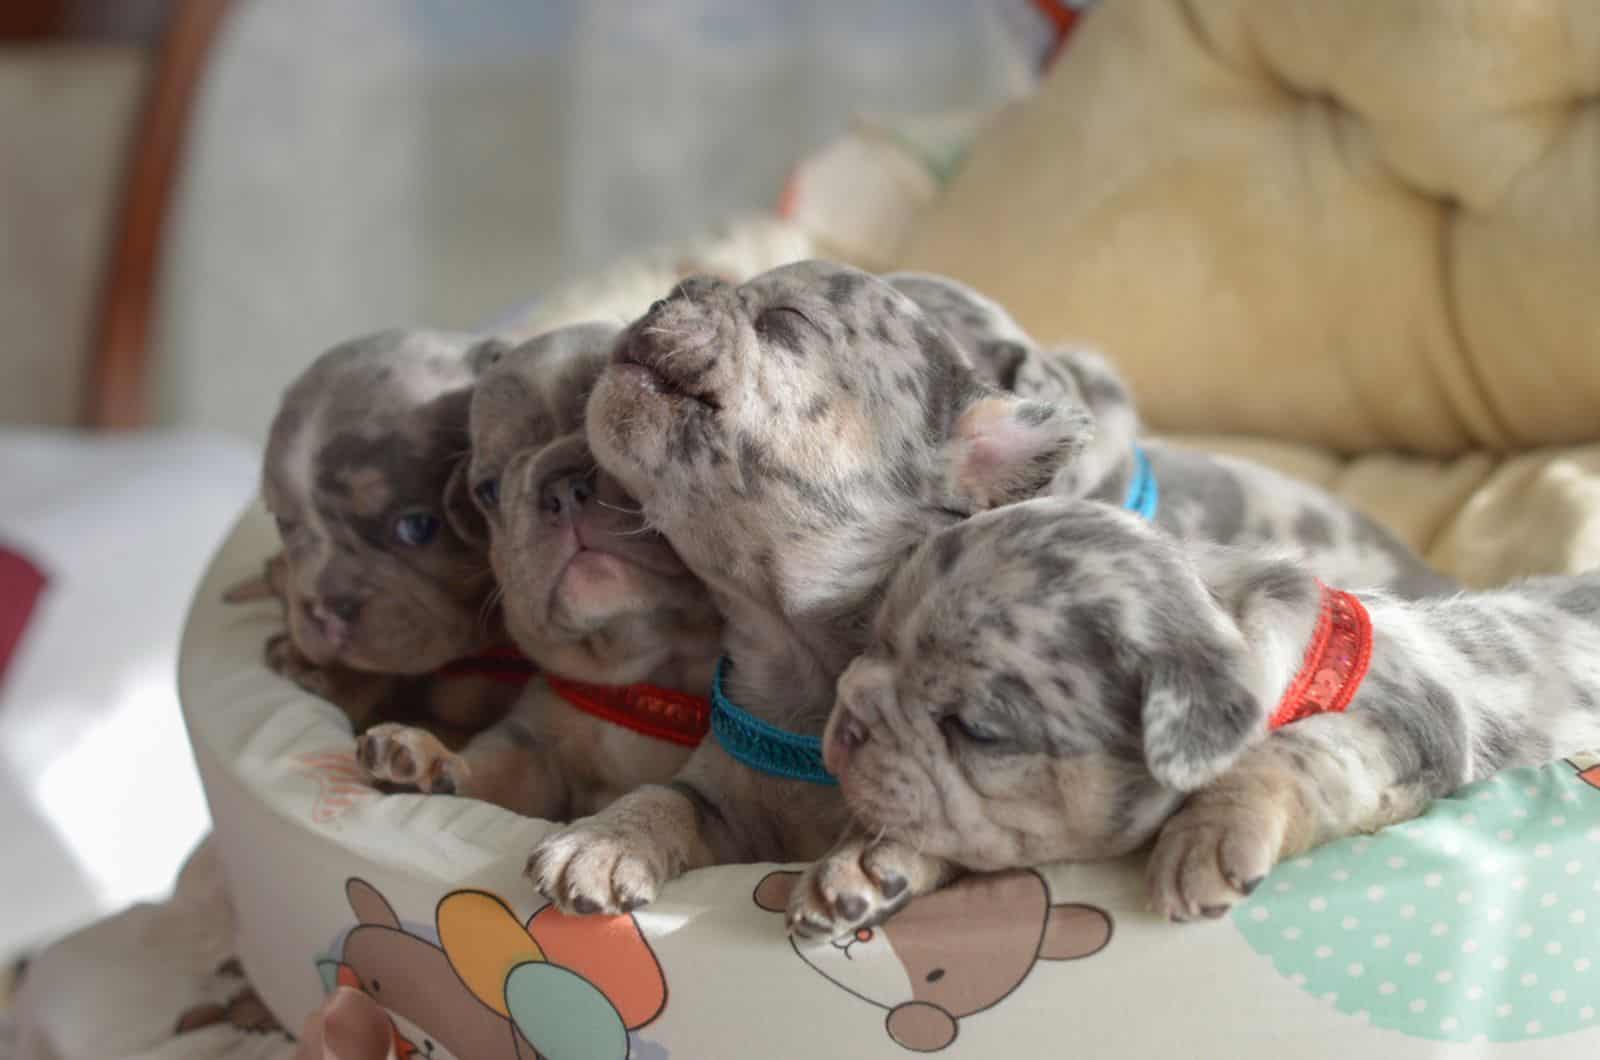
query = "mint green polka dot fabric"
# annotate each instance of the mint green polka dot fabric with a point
(1479, 921)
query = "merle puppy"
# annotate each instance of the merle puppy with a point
(1057, 680)
(795, 438)
(588, 592)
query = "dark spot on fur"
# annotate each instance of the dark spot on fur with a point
(843, 287)
(1313, 528)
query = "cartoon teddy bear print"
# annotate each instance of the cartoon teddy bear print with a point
(951, 954)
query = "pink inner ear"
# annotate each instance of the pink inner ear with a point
(991, 443)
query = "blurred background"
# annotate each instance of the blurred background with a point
(196, 197)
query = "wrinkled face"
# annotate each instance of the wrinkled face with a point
(356, 471)
(788, 435)
(1000, 716)
(589, 590)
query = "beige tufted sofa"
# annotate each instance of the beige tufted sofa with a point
(1359, 240)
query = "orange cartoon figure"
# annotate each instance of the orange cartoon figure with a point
(951, 954)
(1588, 767)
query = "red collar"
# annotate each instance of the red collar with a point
(506, 665)
(1335, 663)
(663, 713)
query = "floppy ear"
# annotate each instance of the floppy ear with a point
(1199, 715)
(465, 518)
(1005, 449)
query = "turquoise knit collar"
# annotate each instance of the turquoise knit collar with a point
(763, 747)
(1143, 493)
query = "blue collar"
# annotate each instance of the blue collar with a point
(763, 747)
(1143, 493)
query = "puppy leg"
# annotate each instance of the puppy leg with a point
(861, 883)
(1315, 781)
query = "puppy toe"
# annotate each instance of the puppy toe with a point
(1246, 857)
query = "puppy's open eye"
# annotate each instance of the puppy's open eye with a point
(416, 528)
(974, 732)
(488, 493)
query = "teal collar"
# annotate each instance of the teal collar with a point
(763, 747)
(1143, 493)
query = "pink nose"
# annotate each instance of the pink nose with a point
(334, 629)
(845, 733)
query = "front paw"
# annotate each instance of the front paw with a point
(858, 884)
(284, 658)
(601, 867)
(1211, 855)
(412, 758)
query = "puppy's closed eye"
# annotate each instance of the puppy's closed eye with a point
(782, 319)
(971, 731)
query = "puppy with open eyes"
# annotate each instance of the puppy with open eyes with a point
(1057, 681)
(386, 598)
(624, 635)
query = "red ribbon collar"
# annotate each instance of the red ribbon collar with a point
(662, 713)
(507, 665)
(1335, 662)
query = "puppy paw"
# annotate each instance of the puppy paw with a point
(1209, 856)
(410, 757)
(858, 884)
(283, 658)
(600, 867)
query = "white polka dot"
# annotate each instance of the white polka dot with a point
(1451, 846)
(1505, 835)
(1558, 997)
(1528, 979)
(1593, 835)
(1418, 1005)
(1356, 970)
(1519, 883)
(1444, 976)
(1542, 850)
(1574, 867)
(1375, 893)
(1258, 914)
(1581, 964)
(1432, 879)
(1586, 1012)
(1532, 1027)
(1449, 1023)
(1496, 915)
(1291, 933)
(1381, 942)
(1387, 988)
(1552, 948)
(1301, 863)
(1490, 865)
(1317, 905)
(1519, 812)
(1524, 931)
(1558, 820)
(1360, 845)
(1503, 1010)
(1283, 888)
(1323, 952)
(1474, 993)
(1339, 875)
(1413, 959)
(1396, 862)
(1469, 946)
(1464, 897)
(1577, 916)
(1297, 979)
(1569, 796)
(1499, 964)
(1407, 912)
(1439, 928)
(1547, 900)
(1469, 819)
(1349, 923)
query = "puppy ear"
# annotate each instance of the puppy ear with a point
(465, 518)
(1005, 449)
(485, 354)
(1199, 715)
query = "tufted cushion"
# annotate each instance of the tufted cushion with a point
(1365, 225)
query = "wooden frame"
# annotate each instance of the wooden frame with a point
(117, 382)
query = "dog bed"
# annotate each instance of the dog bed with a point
(1479, 922)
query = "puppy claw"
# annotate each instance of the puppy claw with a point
(410, 757)
(1210, 856)
(859, 884)
(589, 869)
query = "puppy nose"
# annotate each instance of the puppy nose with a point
(564, 494)
(333, 616)
(846, 734)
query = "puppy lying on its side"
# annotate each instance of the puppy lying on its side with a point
(588, 592)
(386, 601)
(1055, 680)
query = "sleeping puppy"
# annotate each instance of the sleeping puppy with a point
(381, 588)
(1200, 496)
(795, 438)
(589, 593)
(1056, 680)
